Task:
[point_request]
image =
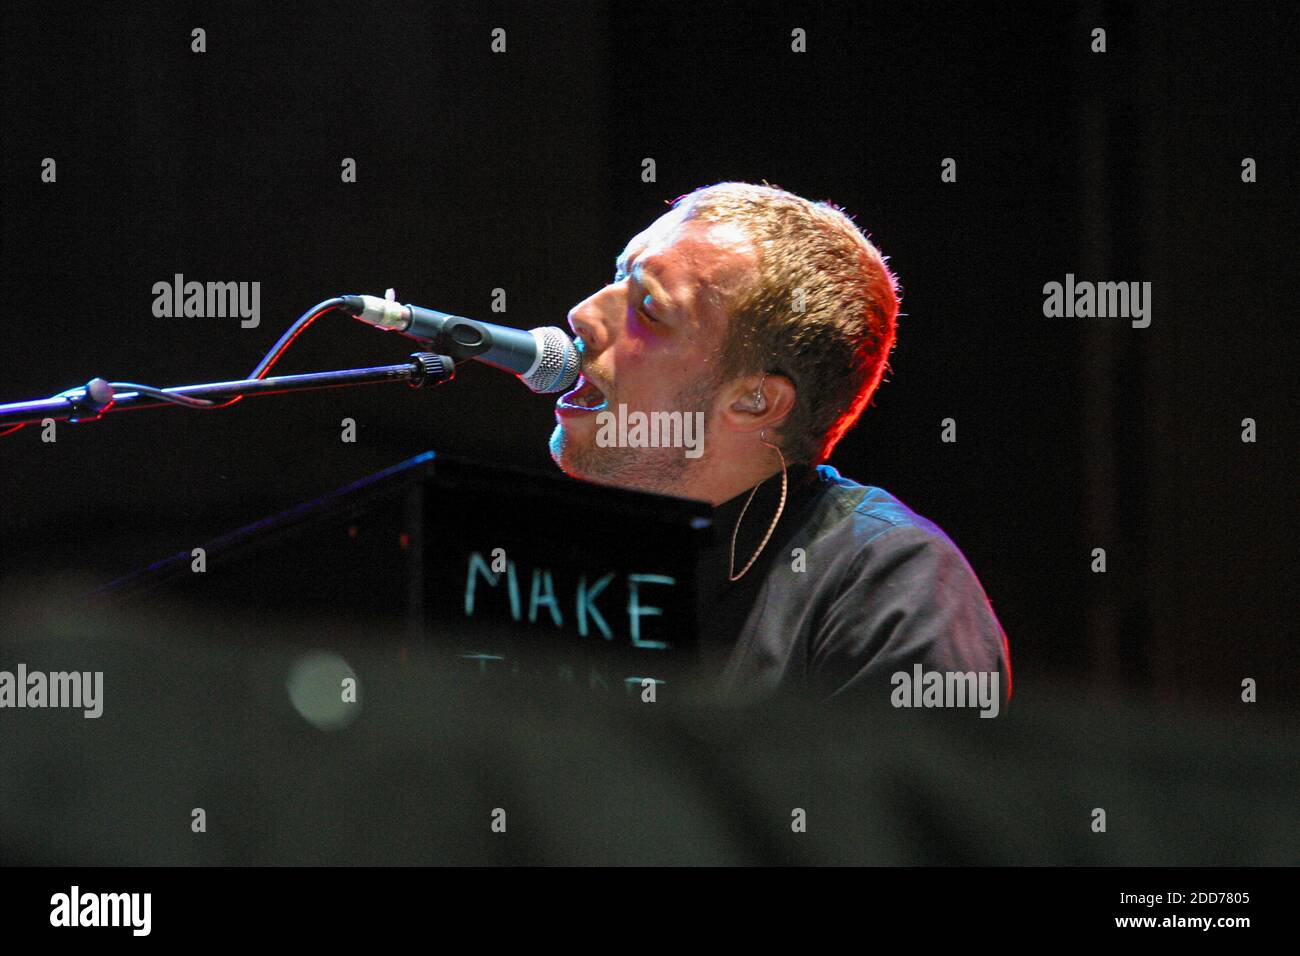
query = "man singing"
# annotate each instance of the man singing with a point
(774, 317)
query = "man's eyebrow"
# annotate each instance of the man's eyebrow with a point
(620, 264)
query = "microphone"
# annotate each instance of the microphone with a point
(545, 359)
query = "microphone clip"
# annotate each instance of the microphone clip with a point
(431, 369)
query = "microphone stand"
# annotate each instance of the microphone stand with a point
(99, 397)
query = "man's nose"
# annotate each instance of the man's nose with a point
(581, 328)
(590, 321)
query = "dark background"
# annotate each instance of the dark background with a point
(523, 171)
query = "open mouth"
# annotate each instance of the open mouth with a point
(584, 395)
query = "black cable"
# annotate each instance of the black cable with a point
(185, 401)
(273, 356)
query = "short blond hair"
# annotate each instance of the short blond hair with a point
(836, 350)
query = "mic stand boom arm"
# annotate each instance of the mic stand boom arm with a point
(98, 397)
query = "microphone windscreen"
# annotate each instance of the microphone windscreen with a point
(557, 367)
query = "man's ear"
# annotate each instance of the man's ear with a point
(755, 402)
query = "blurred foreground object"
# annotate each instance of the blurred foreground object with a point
(240, 722)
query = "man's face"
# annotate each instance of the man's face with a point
(650, 341)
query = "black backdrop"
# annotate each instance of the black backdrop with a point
(522, 171)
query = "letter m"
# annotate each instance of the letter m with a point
(223, 300)
(477, 567)
(1111, 293)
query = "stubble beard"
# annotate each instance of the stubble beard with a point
(663, 471)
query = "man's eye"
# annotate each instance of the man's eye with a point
(645, 311)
